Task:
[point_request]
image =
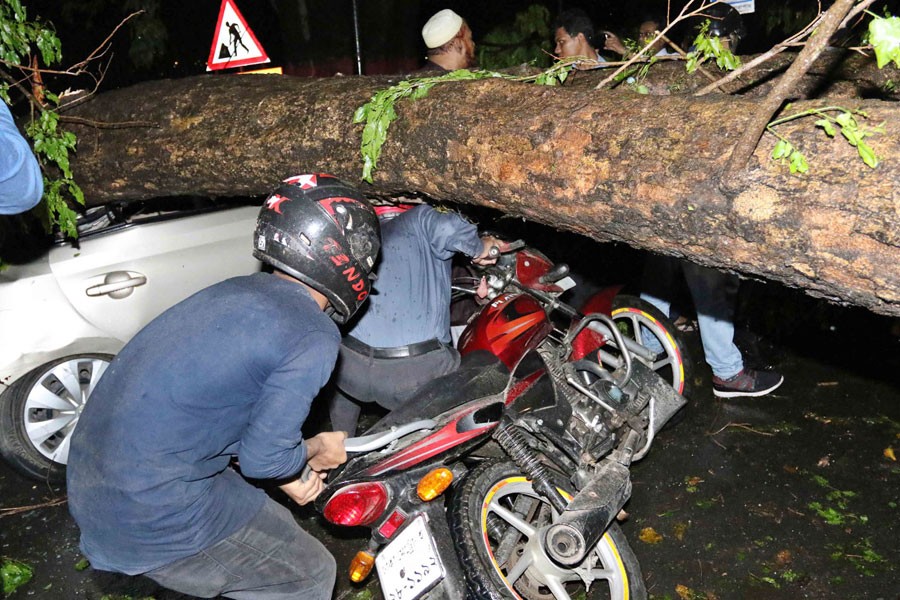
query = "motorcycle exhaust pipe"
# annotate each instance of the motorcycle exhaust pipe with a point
(587, 516)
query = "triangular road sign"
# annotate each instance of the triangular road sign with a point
(234, 44)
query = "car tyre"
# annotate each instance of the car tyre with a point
(39, 412)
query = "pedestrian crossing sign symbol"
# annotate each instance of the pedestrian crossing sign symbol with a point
(234, 44)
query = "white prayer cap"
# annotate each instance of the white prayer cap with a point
(441, 28)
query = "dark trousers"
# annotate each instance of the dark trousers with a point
(269, 558)
(389, 382)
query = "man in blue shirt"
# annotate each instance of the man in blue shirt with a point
(21, 182)
(402, 338)
(227, 377)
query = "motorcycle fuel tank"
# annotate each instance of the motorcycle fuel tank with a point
(508, 327)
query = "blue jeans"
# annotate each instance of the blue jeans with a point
(269, 558)
(714, 294)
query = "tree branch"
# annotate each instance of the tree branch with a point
(774, 51)
(659, 35)
(734, 172)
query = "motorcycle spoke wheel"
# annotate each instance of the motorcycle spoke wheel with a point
(644, 323)
(498, 521)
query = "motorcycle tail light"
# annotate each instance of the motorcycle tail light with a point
(361, 566)
(392, 524)
(434, 483)
(357, 504)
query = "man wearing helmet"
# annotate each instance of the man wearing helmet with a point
(221, 381)
(725, 23)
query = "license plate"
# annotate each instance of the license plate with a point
(409, 566)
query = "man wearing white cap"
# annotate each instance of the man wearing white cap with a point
(449, 42)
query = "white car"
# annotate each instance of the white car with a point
(63, 316)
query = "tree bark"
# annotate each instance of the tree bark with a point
(611, 165)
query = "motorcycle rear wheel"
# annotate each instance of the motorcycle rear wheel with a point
(495, 519)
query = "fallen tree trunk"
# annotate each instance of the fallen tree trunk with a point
(610, 165)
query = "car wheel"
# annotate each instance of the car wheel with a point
(39, 412)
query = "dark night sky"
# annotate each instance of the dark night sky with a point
(389, 30)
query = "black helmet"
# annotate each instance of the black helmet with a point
(323, 232)
(725, 22)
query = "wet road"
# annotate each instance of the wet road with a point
(789, 496)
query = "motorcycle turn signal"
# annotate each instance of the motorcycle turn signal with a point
(361, 566)
(434, 483)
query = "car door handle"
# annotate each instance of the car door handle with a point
(118, 284)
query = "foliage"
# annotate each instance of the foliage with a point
(14, 574)
(884, 35)
(525, 41)
(52, 144)
(707, 47)
(378, 113)
(845, 122)
(149, 34)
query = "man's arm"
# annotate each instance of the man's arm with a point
(21, 182)
(449, 233)
(272, 446)
(325, 451)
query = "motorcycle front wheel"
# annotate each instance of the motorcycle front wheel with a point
(644, 323)
(497, 519)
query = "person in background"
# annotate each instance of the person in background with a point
(646, 32)
(714, 294)
(449, 42)
(725, 23)
(402, 339)
(574, 35)
(21, 182)
(226, 377)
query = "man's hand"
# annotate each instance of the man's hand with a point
(613, 43)
(487, 243)
(326, 450)
(303, 492)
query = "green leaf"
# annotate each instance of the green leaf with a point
(14, 575)
(884, 35)
(798, 162)
(851, 135)
(781, 150)
(82, 564)
(845, 119)
(827, 126)
(867, 154)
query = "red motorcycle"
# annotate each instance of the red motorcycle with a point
(504, 479)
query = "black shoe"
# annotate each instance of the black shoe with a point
(747, 383)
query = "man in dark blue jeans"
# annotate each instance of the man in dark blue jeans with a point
(228, 373)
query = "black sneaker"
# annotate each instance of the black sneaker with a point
(747, 383)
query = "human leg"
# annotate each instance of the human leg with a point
(658, 281)
(344, 412)
(270, 558)
(714, 293)
(398, 380)
(352, 387)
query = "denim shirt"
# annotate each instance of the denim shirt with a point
(228, 373)
(411, 298)
(21, 182)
